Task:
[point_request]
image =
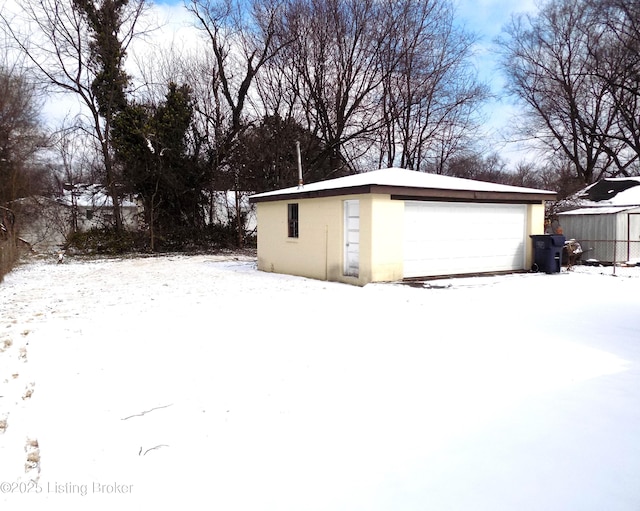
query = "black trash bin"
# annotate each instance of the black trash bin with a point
(547, 252)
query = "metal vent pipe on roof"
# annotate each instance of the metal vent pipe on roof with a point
(300, 181)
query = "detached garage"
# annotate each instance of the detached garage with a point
(393, 224)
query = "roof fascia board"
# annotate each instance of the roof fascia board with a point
(305, 194)
(408, 193)
(468, 195)
(476, 200)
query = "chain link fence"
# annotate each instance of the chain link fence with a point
(602, 252)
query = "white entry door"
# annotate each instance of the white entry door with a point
(457, 238)
(352, 237)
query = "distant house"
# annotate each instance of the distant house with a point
(223, 207)
(45, 223)
(91, 207)
(393, 224)
(605, 220)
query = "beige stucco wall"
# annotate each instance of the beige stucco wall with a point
(318, 252)
(387, 238)
(535, 225)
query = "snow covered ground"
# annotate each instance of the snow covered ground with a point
(175, 382)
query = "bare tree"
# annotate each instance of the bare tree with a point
(335, 65)
(21, 139)
(21, 134)
(79, 48)
(241, 37)
(431, 92)
(548, 60)
(378, 82)
(75, 164)
(615, 57)
(242, 40)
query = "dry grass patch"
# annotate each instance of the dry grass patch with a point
(28, 392)
(33, 455)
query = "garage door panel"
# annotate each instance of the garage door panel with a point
(451, 238)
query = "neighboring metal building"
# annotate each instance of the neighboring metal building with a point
(391, 224)
(606, 222)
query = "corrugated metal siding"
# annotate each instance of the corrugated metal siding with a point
(589, 230)
(603, 236)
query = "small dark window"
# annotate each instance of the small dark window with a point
(292, 220)
(89, 214)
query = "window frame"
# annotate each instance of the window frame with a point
(293, 220)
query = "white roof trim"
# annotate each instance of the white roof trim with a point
(403, 178)
(610, 210)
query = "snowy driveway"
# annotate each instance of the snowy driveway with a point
(175, 382)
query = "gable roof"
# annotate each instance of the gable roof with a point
(410, 184)
(611, 192)
(607, 196)
(610, 189)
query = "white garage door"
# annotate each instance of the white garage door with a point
(456, 238)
